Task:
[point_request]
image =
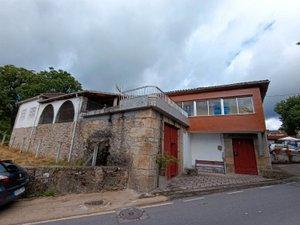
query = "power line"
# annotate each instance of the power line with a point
(282, 95)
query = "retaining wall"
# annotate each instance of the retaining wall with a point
(64, 180)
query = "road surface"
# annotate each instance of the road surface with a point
(269, 205)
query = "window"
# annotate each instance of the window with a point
(215, 107)
(230, 106)
(32, 112)
(245, 105)
(22, 115)
(201, 108)
(47, 115)
(65, 113)
(188, 107)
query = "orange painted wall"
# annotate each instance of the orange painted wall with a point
(227, 123)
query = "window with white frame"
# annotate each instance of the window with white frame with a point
(202, 108)
(220, 106)
(245, 105)
(215, 107)
(230, 106)
(188, 107)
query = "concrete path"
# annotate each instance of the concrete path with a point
(207, 181)
(276, 205)
(30, 210)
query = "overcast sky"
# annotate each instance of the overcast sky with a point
(170, 43)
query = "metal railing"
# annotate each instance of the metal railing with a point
(151, 91)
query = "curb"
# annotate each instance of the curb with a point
(175, 194)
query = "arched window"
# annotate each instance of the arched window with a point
(47, 115)
(65, 113)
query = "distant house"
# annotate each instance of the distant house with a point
(212, 129)
(274, 135)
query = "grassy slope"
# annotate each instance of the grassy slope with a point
(23, 158)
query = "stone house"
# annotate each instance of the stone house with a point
(218, 129)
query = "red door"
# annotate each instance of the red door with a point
(244, 156)
(171, 148)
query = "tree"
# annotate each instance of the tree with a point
(17, 84)
(289, 111)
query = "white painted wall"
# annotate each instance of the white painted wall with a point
(57, 104)
(205, 147)
(187, 157)
(25, 119)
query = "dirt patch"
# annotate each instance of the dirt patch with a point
(24, 158)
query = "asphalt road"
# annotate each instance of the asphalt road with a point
(270, 205)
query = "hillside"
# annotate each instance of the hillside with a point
(23, 158)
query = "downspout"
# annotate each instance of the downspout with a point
(74, 129)
(34, 127)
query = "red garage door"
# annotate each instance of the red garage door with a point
(244, 156)
(171, 148)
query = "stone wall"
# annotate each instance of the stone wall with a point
(64, 180)
(51, 136)
(134, 139)
(47, 136)
(263, 162)
(20, 138)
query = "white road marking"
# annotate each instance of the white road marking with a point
(70, 217)
(265, 187)
(234, 192)
(193, 199)
(157, 205)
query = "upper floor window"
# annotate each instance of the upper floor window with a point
(220, 106)
(188, 107)
(215, 107)
(230, 106)
(201, 108)
(245, 105)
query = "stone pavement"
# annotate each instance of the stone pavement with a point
(207, 181)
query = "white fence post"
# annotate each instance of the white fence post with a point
(58, 152)
(3, 139)
(38, 149)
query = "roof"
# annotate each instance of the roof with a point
(262, 84)
(41, 96)
(86, 93)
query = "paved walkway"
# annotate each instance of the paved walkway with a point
(46, 208)
(207, 181)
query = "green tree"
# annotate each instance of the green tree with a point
(289, 112)
(17, 84)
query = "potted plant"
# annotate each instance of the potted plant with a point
(163, 161)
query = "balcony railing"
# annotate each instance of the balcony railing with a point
(151, 91)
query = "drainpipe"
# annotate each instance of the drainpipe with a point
(74, 129)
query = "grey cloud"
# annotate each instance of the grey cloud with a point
(172, 44)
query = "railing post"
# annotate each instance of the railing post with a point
(3, 139)
(58, 152)
(22, 145)
(38, 149)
